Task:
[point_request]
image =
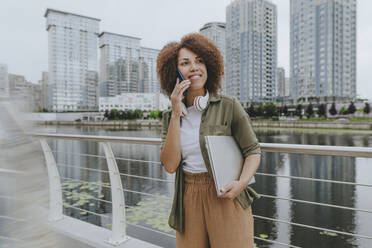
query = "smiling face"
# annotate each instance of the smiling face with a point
(193, 68)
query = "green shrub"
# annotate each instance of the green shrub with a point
(343, 111)
(275, 118)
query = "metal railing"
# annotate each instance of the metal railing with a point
(117, 191)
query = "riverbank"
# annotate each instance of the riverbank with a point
(132, 123)
(367, 126)
(312, 125)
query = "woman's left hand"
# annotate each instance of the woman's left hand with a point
(232, 190)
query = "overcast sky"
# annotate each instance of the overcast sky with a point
(24, 45)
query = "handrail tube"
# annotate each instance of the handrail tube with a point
(122, 174)
(317, 203)
(276, 242)
(9, 238)
(84, 210)
(117, 158)
(345, 151)
(7, 171)
(10, 198)
(91, 197)
(314, 179)
(82, 168)
(267, 147)
(98, 138)
(73, 179)
(11, 218)
(313, 227)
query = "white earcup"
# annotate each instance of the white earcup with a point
(200, 102)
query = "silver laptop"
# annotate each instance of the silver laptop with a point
(226, 160)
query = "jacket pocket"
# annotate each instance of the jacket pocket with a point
(220, 130)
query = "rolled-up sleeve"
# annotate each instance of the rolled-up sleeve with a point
(164, 127)
(242, 130)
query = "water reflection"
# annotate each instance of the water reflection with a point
(323, 167)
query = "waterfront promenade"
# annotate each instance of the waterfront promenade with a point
(37, 171)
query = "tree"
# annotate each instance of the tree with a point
(259, 110)
(114, 114)
(299, 110)
(367, 109)
(321, 110)
(343, 111)
(130, 114)
(154, 114)
(251, 111)
(285, 110)
(333, 110)
(309, 110)
(121, 115)
(138, 114)
(270, 110)
(351, 109)
(106, 114)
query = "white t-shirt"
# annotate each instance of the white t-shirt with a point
(190, 147)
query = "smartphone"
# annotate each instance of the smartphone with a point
(182, 79)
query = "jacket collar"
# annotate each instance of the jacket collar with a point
(214, 97)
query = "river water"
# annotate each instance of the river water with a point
(152, 211)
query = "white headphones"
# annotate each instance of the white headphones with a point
(200, 103)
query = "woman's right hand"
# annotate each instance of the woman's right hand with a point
(177, 96)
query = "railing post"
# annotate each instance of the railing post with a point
(55, 189)
(117, 196)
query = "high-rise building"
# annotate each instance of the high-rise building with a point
(148, 82)
(251, 50)
(44, 90)
(19, 87)
(72, 61)
(323, 48)
(119, 64)
(280, 82)
(4, 83)
(216, 31)
(287, 87)
(26, 94)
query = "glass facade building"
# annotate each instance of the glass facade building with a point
(216, 31)
(148, 78)
(280, 82)
(119, 64)
(323, 48)
(251, 50)
(125, 66)
(72, 61)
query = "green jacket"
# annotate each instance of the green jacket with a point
(223, 115)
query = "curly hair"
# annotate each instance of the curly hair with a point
(166, 65)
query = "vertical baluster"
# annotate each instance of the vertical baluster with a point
(55, 189)
(118, 201)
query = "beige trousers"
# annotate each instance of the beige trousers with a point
(211, 221)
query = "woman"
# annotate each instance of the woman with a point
(200, 218)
